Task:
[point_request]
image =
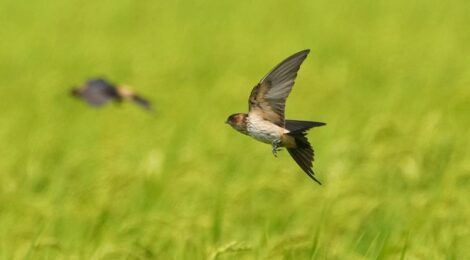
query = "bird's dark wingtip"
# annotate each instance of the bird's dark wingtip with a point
(306, 52)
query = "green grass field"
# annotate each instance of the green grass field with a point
(391, 79)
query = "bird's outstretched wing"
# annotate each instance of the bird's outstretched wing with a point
(97, 92)
(268, 98)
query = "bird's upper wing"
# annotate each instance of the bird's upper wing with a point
(268, 98)
(97, 92)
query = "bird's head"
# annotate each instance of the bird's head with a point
(75, 92)
(238, 122)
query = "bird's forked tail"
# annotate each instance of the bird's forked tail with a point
(303, 153)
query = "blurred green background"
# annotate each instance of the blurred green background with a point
(391, 79)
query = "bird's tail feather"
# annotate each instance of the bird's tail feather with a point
(303, 153)
(299, 126)
(144, 103)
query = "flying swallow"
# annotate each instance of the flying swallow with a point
(265, 120)
(97, 92)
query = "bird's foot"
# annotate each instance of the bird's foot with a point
(276, 147)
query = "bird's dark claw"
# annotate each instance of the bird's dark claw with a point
(276, 148)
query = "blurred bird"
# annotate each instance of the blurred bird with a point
(97, 92)
(265, 120)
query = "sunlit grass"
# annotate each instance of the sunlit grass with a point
(391, 79)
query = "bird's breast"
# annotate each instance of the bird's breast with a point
(263, 130)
